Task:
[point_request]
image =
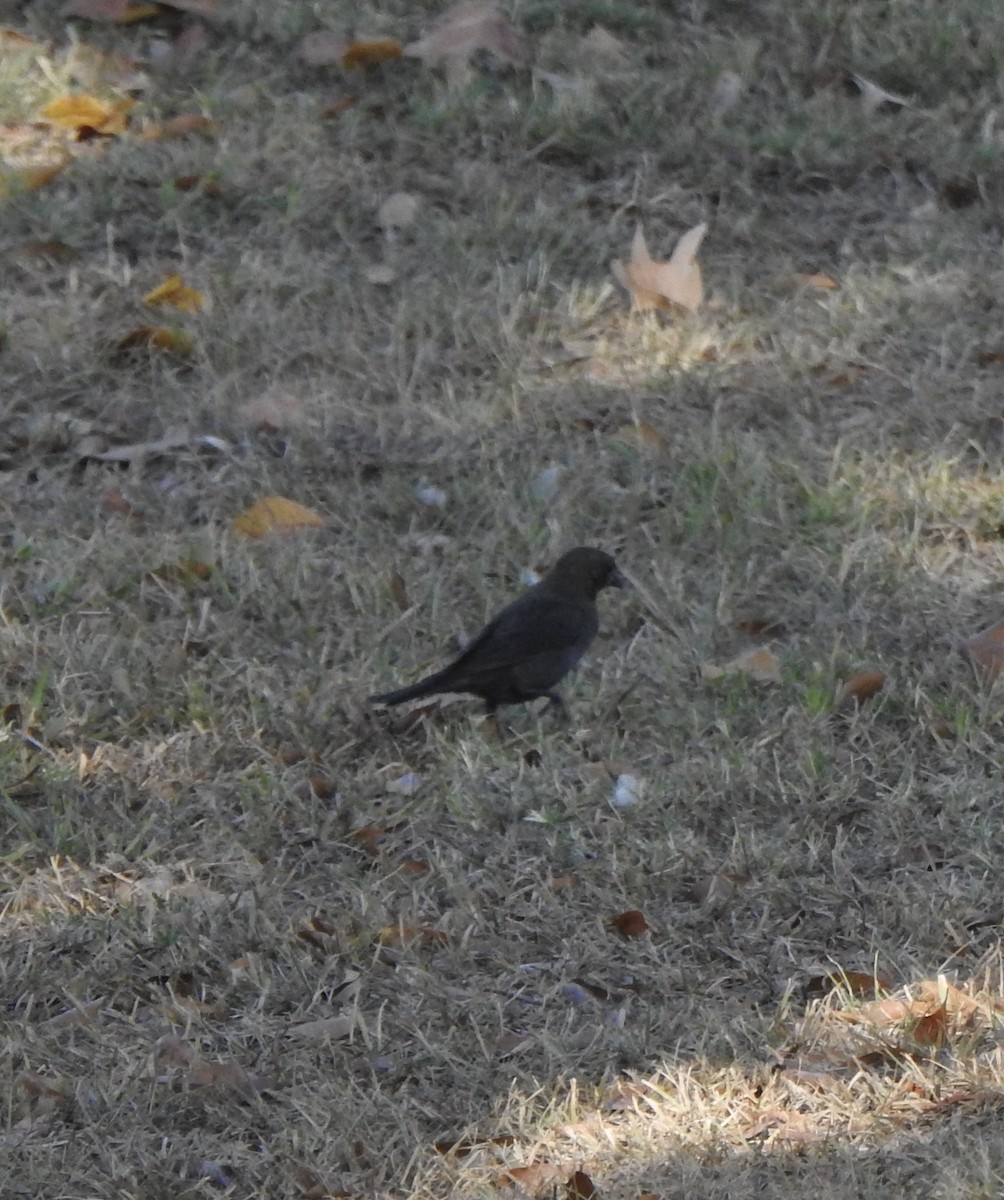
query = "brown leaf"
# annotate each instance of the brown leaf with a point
(156, 337)
(532, 1179)
(113, 501)
(631, 923)
(673, 284)
(399, 590)
(760, 664)
(861, 687)
(859, 983)
(404, 934)
(580, 1187)
(986, 649)
(819, 282)
(337, 107)
(180, 126)
(932, 1029)
(459, 33)
(369, 53)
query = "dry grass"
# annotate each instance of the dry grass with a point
(209, 842)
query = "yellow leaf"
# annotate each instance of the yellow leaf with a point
(276, 513)
(173, 292)
(82, 111)
(27, 179)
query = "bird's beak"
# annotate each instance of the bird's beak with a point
(618, 580)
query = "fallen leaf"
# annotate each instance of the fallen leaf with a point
(272, 412)
(858, 983)
(325, 1028)
(157, 337)
(459, 33)
(369, 53)
(180, 126)
(175, 294)
(759, 664)
(532, 1179)
(399, 590)
(580, 1187)
(276, 514)
(932, 1029)
(228, 1076)
(986, 649)
(631, 923)
(642, 433)
(818, 281)
(403, 934)
(676, 283)
(18, 180)
(188, 183)
(113, 501)
(47, 249)
(82, 111)
(337, 107)
(861, 687)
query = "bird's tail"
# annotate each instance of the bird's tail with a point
(424, 687)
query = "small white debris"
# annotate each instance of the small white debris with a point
(405, 785)
(627, 791)
(432, 497)
(545, 487)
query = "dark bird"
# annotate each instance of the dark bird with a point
(531, 645)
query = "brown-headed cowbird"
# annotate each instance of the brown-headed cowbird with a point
(528, 648)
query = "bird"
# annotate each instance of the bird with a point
(528, 647)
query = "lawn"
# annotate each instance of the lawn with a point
(736, 927)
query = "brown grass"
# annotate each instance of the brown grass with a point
(210, 844)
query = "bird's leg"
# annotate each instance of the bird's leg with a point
(556, 704)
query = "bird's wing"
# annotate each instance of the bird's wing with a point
(533, 624)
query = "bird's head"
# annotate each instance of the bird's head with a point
(584, 571)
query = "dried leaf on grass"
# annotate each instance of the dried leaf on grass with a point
(986, 649)
(174, 294)
(82, 111)
(759, 664)
(15, 181)
(673, 284)
(276, 514)
(180, 126)
(369, 53)
(459, 33)
(630, 924)
(156, 337)
(861, 687)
